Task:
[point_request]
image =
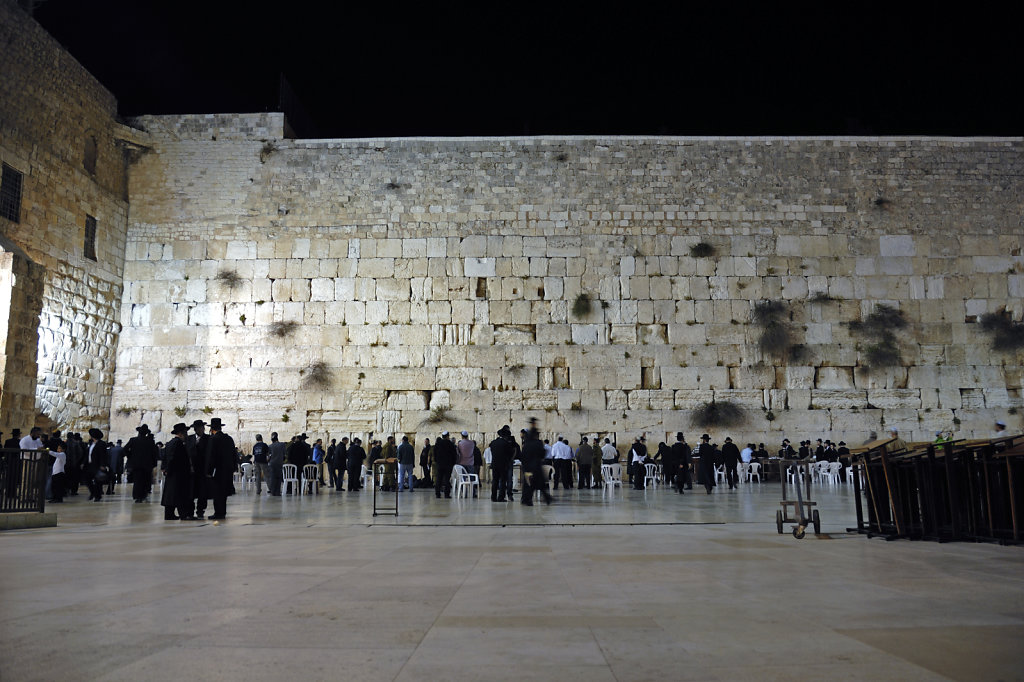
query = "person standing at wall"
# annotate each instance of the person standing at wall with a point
(278, 450)
(141, 455)
(97, 468)
(501, 460)
(705, 451)
(561, 456)
(176, 492)
(406, 462)
(196, 447)
(730, 458)
(116, 465)
(681, 454)
(638, 455)
(261, 463)
(585, 462)
(533, 460)
(445, 456)
(57, 476)
(221, 465)
(356, 457)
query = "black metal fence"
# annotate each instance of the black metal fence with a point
(23, 480)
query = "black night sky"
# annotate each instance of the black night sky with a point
(380, 69)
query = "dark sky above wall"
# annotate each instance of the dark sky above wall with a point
(380, 69)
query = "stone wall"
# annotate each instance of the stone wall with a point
(58, 127)
(21, 289)
(427, 273)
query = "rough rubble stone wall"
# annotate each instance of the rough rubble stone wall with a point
(426, 273)
(51, 112)
(21, 288)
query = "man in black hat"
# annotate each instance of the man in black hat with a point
(141, 455)
(501, 462)
(706, 462)
(356, 457)
(96, 468)
(14, 442)
(196, 446)
(731, 458)
(532, 457)
(445, 455)
(221, 465)
(681, 454)
(176, 493)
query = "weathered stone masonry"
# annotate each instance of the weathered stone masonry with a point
(442, 272)
(427, 273)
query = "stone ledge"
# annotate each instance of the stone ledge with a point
(22, 520)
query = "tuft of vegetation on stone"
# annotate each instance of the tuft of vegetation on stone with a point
(583, 305)
(185, 367)
(877, 329)
(180, 411)
(228, 278)
(317, 376)
(266, 150)
(1006, 335)
(776, 337)
(718, 413)
(283, 329)
(702, 250)
(439, 415)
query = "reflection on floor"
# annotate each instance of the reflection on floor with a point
(621, 585)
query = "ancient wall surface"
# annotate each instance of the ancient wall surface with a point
(21, 289)
(333, 286)
(58, 128)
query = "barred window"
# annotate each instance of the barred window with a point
(10, 194)
(89, 250)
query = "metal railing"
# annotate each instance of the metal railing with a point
(23, 480)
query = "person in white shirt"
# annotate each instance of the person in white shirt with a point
(609, 453)
(561, 453)
(57, 482)
(747, 453)
(32, 440)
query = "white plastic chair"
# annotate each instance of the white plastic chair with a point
(464, 482)
(364, 477)
(754, 469)
(849, 474)
(310, 478)
(719, 473)
(612, 475)
(248, 479)
(651, 474)
(381, 470)
(833, 472)
(290, 474)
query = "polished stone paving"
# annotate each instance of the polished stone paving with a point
(622, 585)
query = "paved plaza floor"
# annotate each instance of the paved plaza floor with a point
(622, 585)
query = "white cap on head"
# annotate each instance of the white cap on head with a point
(444, 433)
(465, 433)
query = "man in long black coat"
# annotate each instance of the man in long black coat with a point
(501, 462)
(681, 455)
(196, 445)
(176, 493)
(140, 457)
(221, 465)
(730, 457)
(354, 464)
(532, 457)
(706, 463)
(445, 456)
(98, 461)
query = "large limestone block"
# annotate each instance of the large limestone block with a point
(553, 334)
(479, 267)
(508, 400)
(458, 378)
(540, 400)
(795, 377)
(822, 399)
(895, 398)
(752, 376)
(833, 378)
(692, 399)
